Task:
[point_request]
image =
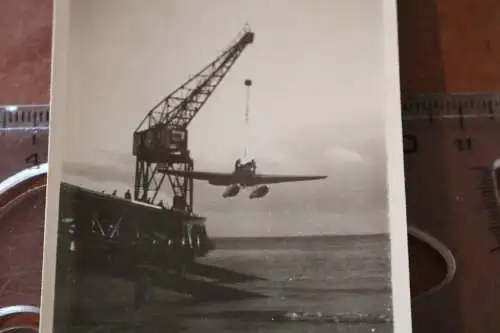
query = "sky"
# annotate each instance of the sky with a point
(316, 105)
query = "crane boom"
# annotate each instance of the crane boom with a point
(160, 140)
(180, 107)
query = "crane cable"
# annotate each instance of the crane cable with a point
(248, 84)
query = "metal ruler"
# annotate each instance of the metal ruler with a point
(451, 146)
(23, 143)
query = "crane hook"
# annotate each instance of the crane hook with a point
(248, 84)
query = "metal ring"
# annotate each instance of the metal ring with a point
(20, 329)
(445, 254)
(20, 317)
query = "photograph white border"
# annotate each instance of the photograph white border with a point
(60, 37)
(401, 302)
(400, 268)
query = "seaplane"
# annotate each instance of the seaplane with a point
(244, 176)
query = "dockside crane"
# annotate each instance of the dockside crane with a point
(160, 142)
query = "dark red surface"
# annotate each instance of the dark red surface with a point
(21, 236)
(25, 52)
(25, 55)
(450, 46)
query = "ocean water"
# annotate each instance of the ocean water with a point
(319, 284)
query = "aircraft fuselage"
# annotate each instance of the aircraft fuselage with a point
(243, 174)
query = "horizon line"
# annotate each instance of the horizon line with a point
(303, 236)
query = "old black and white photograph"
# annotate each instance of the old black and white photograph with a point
(224, 168)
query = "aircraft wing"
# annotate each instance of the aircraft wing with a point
(274, 179)
(214, 178)
(225, 179)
